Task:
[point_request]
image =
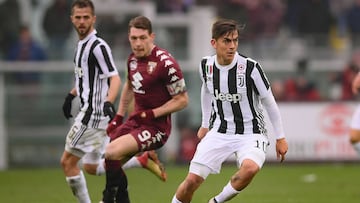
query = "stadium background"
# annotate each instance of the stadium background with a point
(32, 127)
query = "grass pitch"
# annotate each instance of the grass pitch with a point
(275, 183)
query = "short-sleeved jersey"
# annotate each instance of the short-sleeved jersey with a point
(236, 90)
(154, 80)
(94, 65)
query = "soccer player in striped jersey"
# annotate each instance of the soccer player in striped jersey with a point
(97, 84)
(355, 122)
(156, 85)
(233, 94)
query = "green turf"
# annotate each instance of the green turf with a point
(309, 183)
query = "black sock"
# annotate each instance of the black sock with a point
(116, 184)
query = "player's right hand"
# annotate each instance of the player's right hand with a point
(114, 123)
(67, 106)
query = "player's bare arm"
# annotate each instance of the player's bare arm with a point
(127, 95)
(115, 83)
(178, 102)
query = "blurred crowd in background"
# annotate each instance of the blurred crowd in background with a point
(325, 25)
(330, 27)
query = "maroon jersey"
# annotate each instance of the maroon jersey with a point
(154, 80)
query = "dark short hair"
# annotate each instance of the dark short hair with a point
(224, 26)
(83, 4)
(141, 22)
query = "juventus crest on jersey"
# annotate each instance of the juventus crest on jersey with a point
(235, 90)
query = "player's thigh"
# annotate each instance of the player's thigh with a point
(82, 139)
(211, 152)
(252, 147)
(122, 147)
(149, 138)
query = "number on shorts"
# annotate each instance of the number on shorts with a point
(261, 145)
(73, 131)
(145, 135)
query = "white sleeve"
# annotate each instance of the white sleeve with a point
(104, 57)
(205, 106)
(274, 114)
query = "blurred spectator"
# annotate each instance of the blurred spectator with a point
(57, 27)
(315, 21)
(173, 6)
(348, 75)
(293, 9)
(353, 22)
(232, 9)
(265, 17)
(338, 36)
(9, 24)
(278, 90)
(300, 87)
(26, 49)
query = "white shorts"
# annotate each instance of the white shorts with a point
(215, 148)
(86, 143)
(355, 121)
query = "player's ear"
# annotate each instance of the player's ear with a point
(152, 35)
(213, 43)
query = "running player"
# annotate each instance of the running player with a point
(155, 82)
(233, 92)
(97, 84)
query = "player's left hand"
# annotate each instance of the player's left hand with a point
(67, 105)
(281, 149)
(109, 110)
(144, 116)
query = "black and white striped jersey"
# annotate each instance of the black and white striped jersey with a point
(94, 65)
(235, 91)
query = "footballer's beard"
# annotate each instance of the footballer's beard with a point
(83, 31)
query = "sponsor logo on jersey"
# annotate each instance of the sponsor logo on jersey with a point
(136, 83)
(168, 63)
(78, 72)
(227, 97)
(163, 57)
(159, 52)
(174, 78)
(172, 70)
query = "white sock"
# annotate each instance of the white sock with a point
(227, 193)
(132, 163)
(356, 146)
(78, 187)
(100, 170)
(175, 200)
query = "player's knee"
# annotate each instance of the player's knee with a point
(109, 153)
(65, 163)
(250, 167)
(192, 182)
(90, 168)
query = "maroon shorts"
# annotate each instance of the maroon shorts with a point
(147, 137)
